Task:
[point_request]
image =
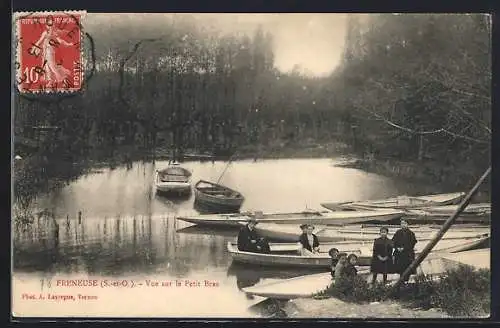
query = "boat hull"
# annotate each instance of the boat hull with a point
(322, 260)
(413, 202)
(441, 218)
(299, 218)
(289, 233)
(473, 213)
(209, 206)
(217, 203)
(238, 219)
(215, 221)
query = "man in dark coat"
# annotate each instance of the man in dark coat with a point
(249, 240)
(382, 256)
(404, 241)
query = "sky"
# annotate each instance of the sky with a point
(313, 41)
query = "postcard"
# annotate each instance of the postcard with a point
(286, 165)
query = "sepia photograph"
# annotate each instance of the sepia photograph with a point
(251, 165)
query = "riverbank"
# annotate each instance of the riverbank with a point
(335, 308)
(439, 177)
(461, 292)
(449, 179)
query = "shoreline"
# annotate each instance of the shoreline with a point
(433, 173)
(334, 308)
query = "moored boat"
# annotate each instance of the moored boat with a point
(173, 180)
(217, 198)
(291, 233)
(236, 219)
(399, 202)
(312, 217)
(360, 248)
(478, 209)
(473, 213)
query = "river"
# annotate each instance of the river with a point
(128, 232)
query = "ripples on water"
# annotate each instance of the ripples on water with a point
(128, 230)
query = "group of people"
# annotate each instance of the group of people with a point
(389, 255)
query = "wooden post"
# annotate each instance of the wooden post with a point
(465, 202)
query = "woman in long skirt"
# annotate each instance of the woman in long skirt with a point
(404, 241)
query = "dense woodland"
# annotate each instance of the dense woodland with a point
(413, 87)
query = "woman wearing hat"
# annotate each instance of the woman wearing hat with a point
(309, 241)
(404, 241)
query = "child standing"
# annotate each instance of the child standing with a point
(382, 256)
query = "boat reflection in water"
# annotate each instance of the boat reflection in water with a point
(176, 198)
(205, 230)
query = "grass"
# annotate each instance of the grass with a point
(461, 292)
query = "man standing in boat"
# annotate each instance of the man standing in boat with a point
(404, 241)
(249, 240)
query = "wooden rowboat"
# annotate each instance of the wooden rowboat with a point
(478, 213)
(218, 198)
(400, 202)
(322, 260)
(173, 180)
(478, 208)
(348, 245)
(291, 233)
(330, 218)
(308, 285)
(236, 219)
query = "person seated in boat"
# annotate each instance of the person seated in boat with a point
(350, 267)
(249, 240)
(382, 256)
(334, 254)
(404, 241)
(309, 241)
(341, 264)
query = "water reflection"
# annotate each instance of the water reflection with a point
(112, 223)
(117, 246)
(273, 185)
(172, 197)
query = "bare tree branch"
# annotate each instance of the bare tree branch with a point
(418, 132)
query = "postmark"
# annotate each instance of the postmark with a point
(49, 56)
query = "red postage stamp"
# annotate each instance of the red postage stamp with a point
(49, 51)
